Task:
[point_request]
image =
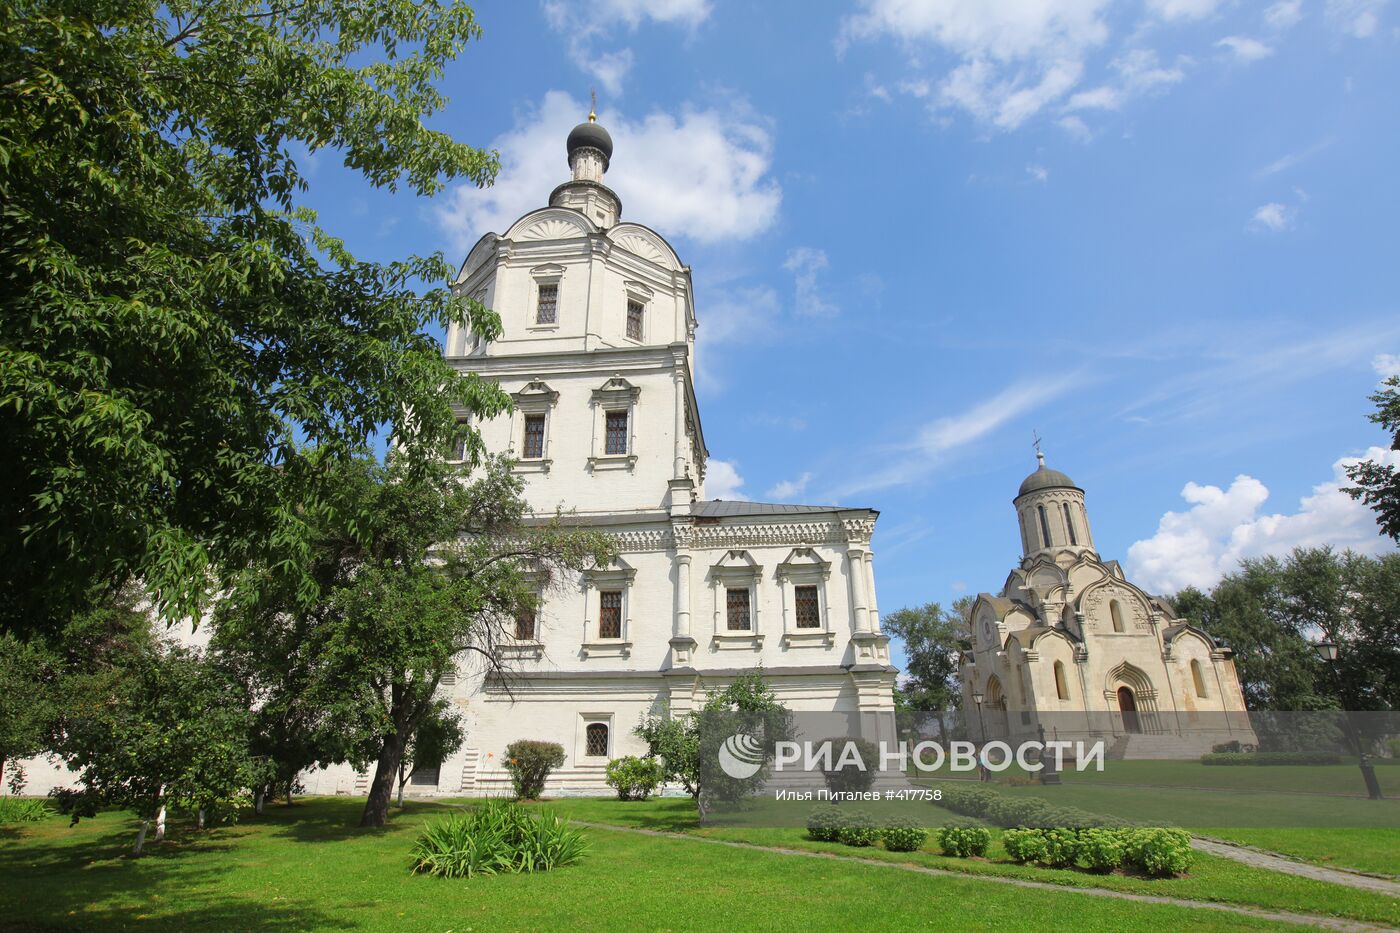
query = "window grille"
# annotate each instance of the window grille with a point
(610, 614)
(808, 609)
(596, 740)
(534, 437)
(634, 320)
(617, 432)
(547, 311)
(737, 605)
(525, 625)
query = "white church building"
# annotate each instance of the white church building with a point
(598, 353)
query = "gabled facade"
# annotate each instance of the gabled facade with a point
(1072, 646)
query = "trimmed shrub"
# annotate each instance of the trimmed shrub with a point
(851, 779)
(634, 778)
(1101, 850)
(1024, 845)
(1158, 851)
(1271, 758)
(1231, 746)
(23, 809)
(858, 829)
(824, 823)
(529, 764)
(972, 800)
(904, 835)
(1061, 847)
(964, 839)
(496, 838)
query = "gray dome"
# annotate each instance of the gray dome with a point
(1045, 478)
(590, 135)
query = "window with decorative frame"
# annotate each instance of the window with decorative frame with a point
(607, 602)
(616, 441)
(807, 606)
(533, 446)
(734, 582)
(736, 609)
(525, 623)
(610, 614)
(614, 424)
(635, 312)
(802, 580)
(595, 740)
(547, 303)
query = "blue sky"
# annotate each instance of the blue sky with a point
(1160, 233)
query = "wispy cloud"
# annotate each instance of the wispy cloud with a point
(790, 488)
(1289, 160)
(809, 298)
(1272, 218)
(589, 25)
(1244, 49)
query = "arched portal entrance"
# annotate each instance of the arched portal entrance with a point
(1127, 706)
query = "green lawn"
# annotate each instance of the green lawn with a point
(1373, 850)
(307, 867)
(1210, 879)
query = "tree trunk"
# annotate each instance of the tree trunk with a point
(290, 785)
(140, 837)
(160, 824)
(199, 819)
(401, 784)
(381, 790)
(258, 803)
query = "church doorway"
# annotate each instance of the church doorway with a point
(1127, 705)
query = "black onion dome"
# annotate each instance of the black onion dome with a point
(591, 136)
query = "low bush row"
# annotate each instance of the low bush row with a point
(983, 803)
(497, 837)
(1150, 850)
(1271, 758)
(858, 828)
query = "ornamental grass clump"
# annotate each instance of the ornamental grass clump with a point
(904, 835)
(529, 764)
(498, 837)
(23, 810)
(964, 839)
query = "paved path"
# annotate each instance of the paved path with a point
(1278, 916)
(1258, 858)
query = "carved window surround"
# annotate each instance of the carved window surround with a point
(617, 394)
(642, 295)
(737, 570)
(803, 567)
(548, 274)
(536, 398)
(617, 576)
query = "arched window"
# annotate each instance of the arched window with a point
(1115, 610)
(1044, 525)
(1061, 687)
(1198, 678)
(596, 740)
(1069, 525)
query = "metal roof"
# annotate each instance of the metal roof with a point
(727, 508)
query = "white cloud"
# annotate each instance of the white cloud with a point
(1386, 365)
(1360, 19)
(702, 174)
(1137, 72)
(1076, 128)
(806, 264)
(586, 25)
(1015, 57)
(1223, 526)
(790, 488)
(1182, 9)
(1272, 218)
(1284, 15)
(1245, 49)
(1037, 172)
(941, 438)
(722, 480)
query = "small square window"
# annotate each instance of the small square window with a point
(610, 614)
(596, 740)
(547, 309)
(617, 432)
(534, 437)
(525, 624)
(736, 602)
(809, 614)
(634, 320)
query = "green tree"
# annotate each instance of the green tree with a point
(27, 713)
(436, 738)
(416, 570)
(182, 349)
(1378, 484)
(932, 638)
(158, 727)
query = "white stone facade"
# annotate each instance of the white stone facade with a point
(1070, 645)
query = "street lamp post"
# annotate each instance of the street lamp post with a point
(1327, 650)
(981, 729)
(1049, 774)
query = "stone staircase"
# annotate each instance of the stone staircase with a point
(1161, 746)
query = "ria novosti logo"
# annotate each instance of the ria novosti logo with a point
(741, 756)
